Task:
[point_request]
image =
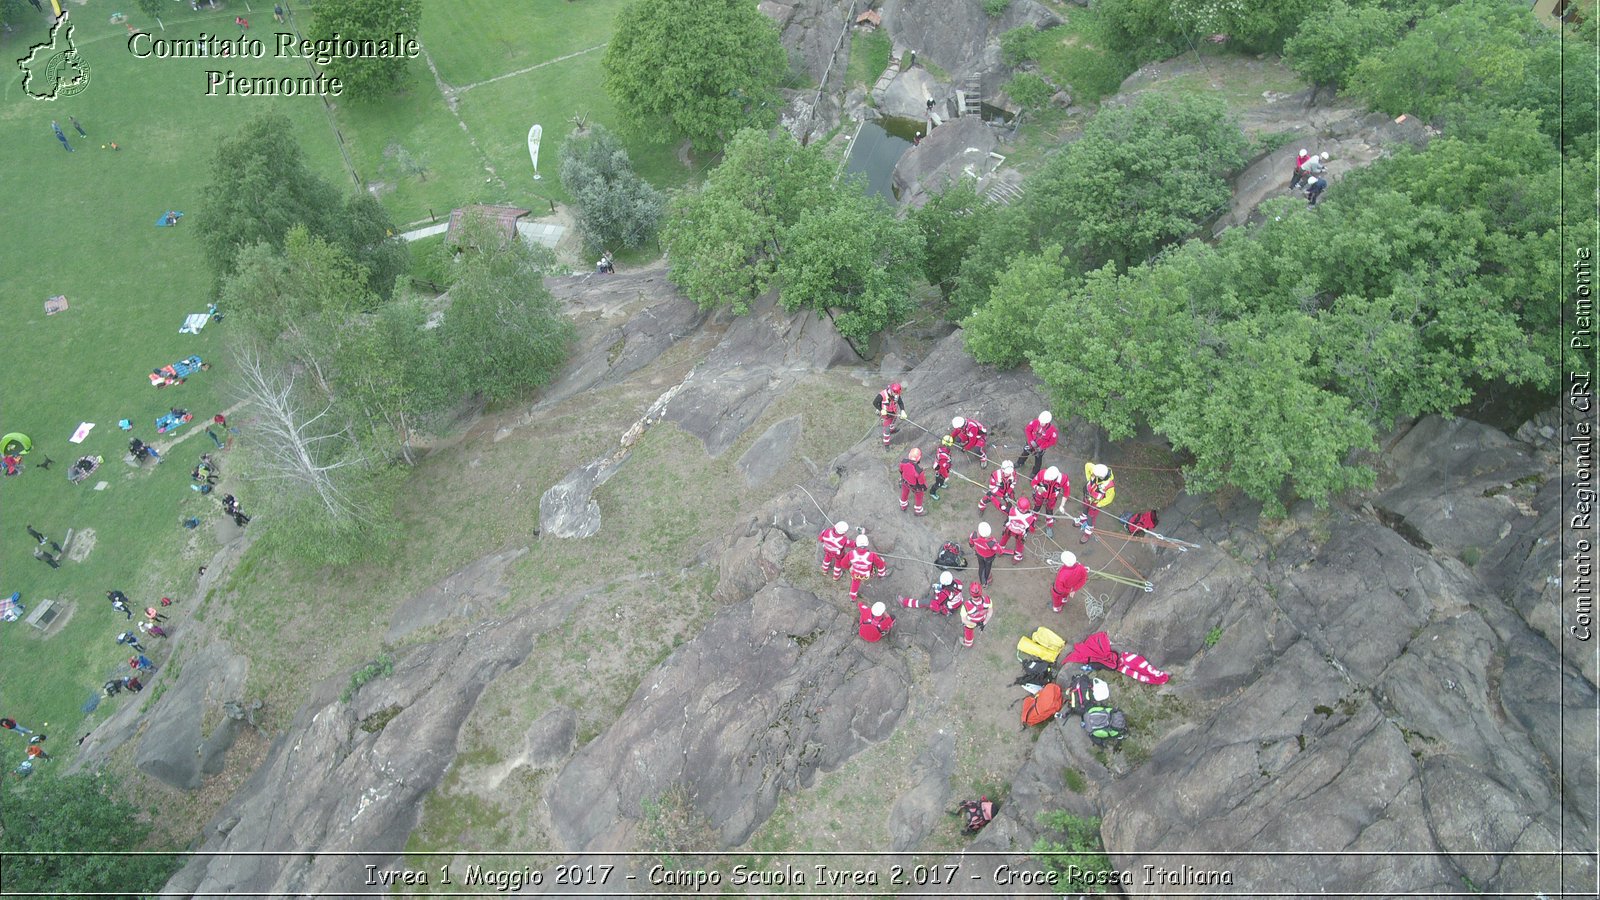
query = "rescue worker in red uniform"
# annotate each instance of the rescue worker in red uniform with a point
(912, 479)
(1050, 490)
(892, 407)
(863, 564)
(1040, 435)
(975, 612)
(941, 466)
(1019, 523)
(1100, 487)
(986, 548)
(1070, 578)
(972, 437)
(946, 596)
(1002, 489)
(875, 622)
(834, 540)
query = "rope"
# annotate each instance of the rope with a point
(825, 516)
(1095, 607)
(1156, 535)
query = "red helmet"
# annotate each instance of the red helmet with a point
(894, 388)
(915, 455)
(1023, 504)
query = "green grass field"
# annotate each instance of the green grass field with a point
(83, 227)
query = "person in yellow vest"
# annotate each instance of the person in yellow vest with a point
(1099, 488)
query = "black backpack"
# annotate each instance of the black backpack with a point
(1036, 671)
(950, 557)
(1079, 695)
(1105, 725)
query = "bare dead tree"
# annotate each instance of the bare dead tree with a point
(301, 441)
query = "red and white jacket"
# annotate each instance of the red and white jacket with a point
(833, 541)
(1048, 494)
(1041, 437)
(971, 435)
(864, 562)
(986, 547)
(911, 474)
(976, 608)
(1020, 522)
(941, 462)
(1002, 485)
(947, 600)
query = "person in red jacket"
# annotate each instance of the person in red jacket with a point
(1070, 578)
(1019, 523)
(1002, 489)
(892, 407)
(986, 548)
(975, 612)
(833, 540)
(946, 597)
(875, 622)
(1299, 172)
(863, 565)
(972, 437)
(941, 466)
(1050, 490)
(912, 479)
(1040, 436)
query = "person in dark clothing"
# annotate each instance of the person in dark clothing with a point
(47, 559)
(74, 121)
(1314, 189)
(33, 533)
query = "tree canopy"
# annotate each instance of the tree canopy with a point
(696, 69)
(616, 208)
(261, 188)
(852, 255)
(366, 77)
(51, 814)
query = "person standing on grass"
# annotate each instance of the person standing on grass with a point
(121, 607)
(141, 663)
(131, 639)
(214, 439)
(10, 724)
(153, 614)
(277, 12)
(47, 559)
(33, 533)
(74, 121)
(60, 136)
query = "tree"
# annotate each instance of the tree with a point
(366, 77)
(152, 8)
(1141, 176)
(261, 188)
(616, 208)
(701, 69)
(503, 330)
(725, 238)
(387, 373)
(852, 255)
(55, 814)
(952, 222)
(1327, 47)
(1002, 331)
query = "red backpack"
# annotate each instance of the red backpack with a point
(1042, 707)
(1139, 523)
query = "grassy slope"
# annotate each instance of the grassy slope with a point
(83, 226)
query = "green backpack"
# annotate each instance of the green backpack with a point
(1105, 725)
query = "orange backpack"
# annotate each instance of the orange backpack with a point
(1042, 707)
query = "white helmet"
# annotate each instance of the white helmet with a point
(1100, 470)
(841, 526)
(1044, 417)
(945, 578)
(983, 529)
(1304, 152)
(1052, 474)
(957, 422)
(1324, 156)
(1008, 465)
(878, 608)
(1068, 558)
(861, 540)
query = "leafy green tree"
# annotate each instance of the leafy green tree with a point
(1141, 176)
(366, 77)
(1152, 29)
(503, 326)
(996, 8)
(151, 8)
(616, 208)
(852, 255)
(725, 238)
(952, 222)
(701, 69)
(1002, 331)
(1479, 51)
(261, 188)
(387, 374)
(1327, 47)
(51, 814)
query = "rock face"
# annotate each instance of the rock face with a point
(566, 510)
(957, 34)
(770, 451)
(768, 695)
(350, 776)
(466, 594)
(946, 154)
(173, 746)
(1368, 690)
